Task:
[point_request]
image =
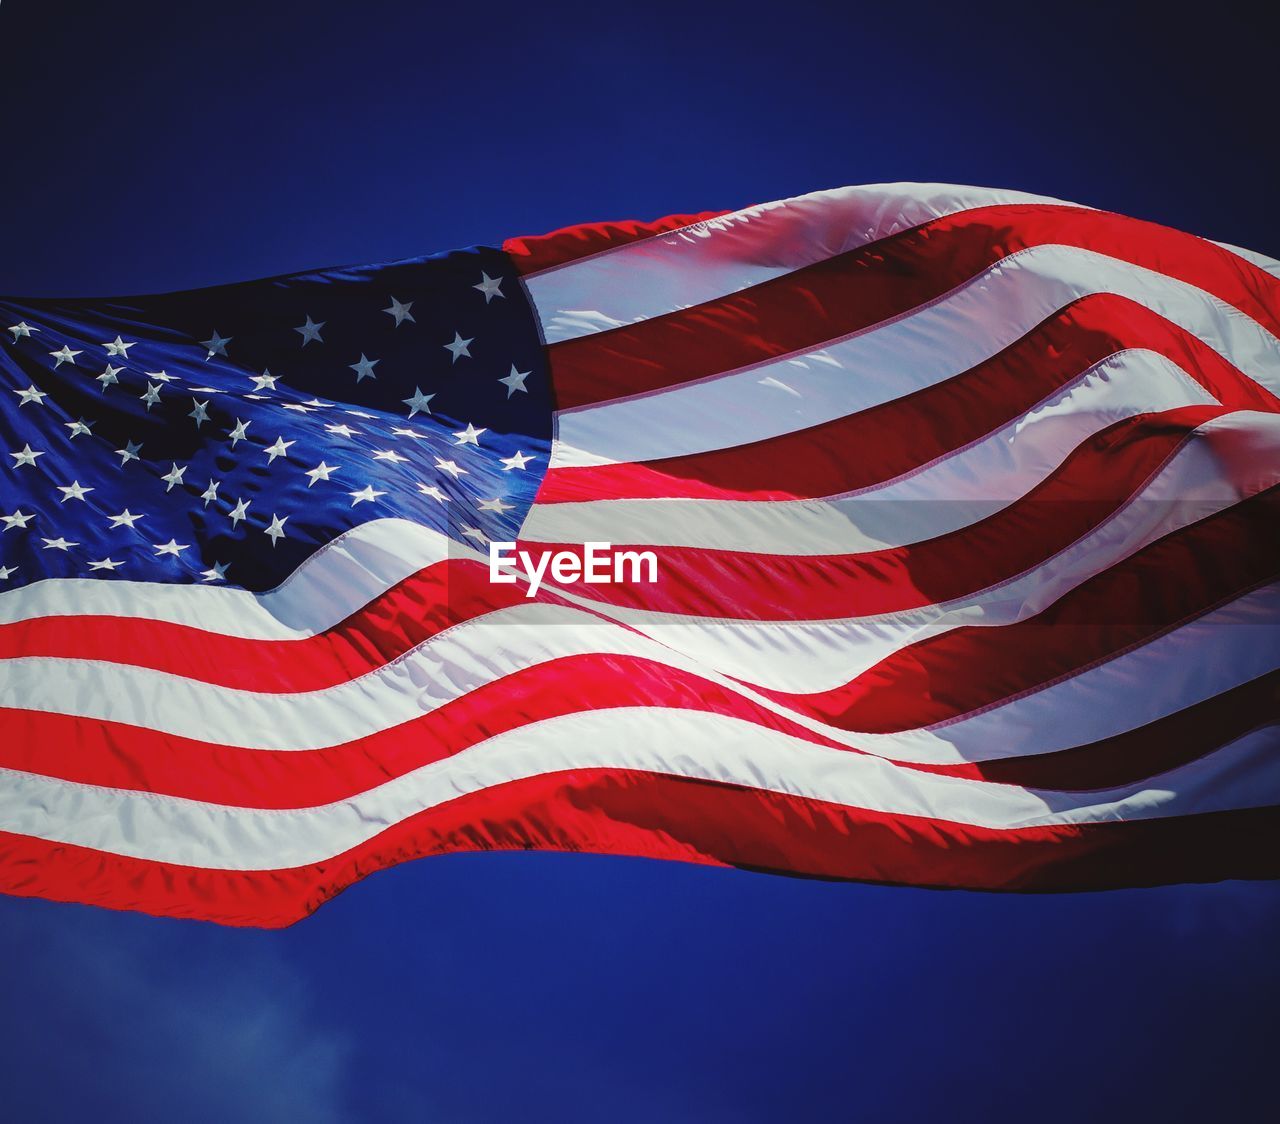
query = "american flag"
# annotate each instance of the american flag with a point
(963, 505)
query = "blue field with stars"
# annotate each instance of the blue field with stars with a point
(225, 434)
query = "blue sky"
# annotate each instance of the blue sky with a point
(151, 146)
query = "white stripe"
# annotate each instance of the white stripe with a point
(1245, 774)
(793, 656)
(711, 259)
(1266, 264)
(898, 357)
(953, 492)
(809, 656)
(1212, 654)
(327, 587)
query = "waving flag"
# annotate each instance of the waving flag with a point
(960, 510)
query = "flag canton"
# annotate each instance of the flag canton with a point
(225, 434)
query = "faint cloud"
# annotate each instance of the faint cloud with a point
(132, 1019)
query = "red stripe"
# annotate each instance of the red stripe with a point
(115, 755)
(1215, 559)
(1172, 581)
(887, 441)
(1177, 739)
(1098, 478)
(930, 681)
(655, 816)
(573, 243)
(418, 608)
(817, 304)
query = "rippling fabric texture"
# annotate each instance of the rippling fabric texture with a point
(962, 505)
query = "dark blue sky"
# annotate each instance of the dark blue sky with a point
(151, 146)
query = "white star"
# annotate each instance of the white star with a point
(20, 329)
(31, 394)
(73, 491)
(7, 571)
(215, 345)
(364, 368)
(451, 468)
(58, 544)
(342, 430)
(321, 471)
(129, 452)
(365, 493)
(518, 461)
(459, 347)
(238, 434)
(64, 355)
(316, 404)
(162, 376)
(434, 492)
(299, 408)
(515, 381)
(106, 564)
(217, 573)
(152, 395)
(119, 347)
(264, 381)
(171, 547)
(310, 331)
(199, 411)
(474, 533)
(79, 428)
(419, 402)
(27, 456)
(126, 518)
(276, 530)
(278, 449)
(400, 311)
(211, 492)
(495, 505)
(360, 414)
(174, 475)
(490, 286)
(109, 376)
(389, 455)
(401, 431)
(470, 435)
(18, 519)
(237, 513)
